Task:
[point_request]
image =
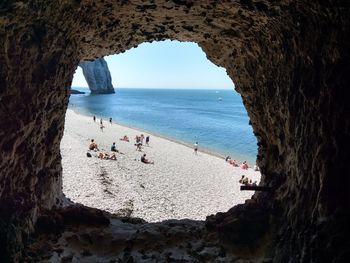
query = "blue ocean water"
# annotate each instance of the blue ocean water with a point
(217, 120)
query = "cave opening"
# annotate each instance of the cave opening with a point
(168, 89)
(290, 62)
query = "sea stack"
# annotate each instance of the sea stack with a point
(97, 76)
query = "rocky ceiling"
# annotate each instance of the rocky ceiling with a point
(288, 59)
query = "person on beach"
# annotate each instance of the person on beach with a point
(250, 183)
(125, 138)
(142, 137)
(196, 148)
(233, 162)
(114, 148)
(138, 143)
(147, 140)
(94, 118)
(101, 127)
(101, 121)
(144, 160)
(244, 180)
(100, 156)
(93, 146)
(114, 157)
(244, 165)
(139, 146)
(110, 120)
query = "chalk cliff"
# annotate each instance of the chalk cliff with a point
(97, 76)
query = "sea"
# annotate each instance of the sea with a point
(216, 119)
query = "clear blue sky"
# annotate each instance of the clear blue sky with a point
(166, 64)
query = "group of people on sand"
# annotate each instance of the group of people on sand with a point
(139, 141)
(246, 181)
(101, 122)
(106, 156)
(233, 162)
(243, 165)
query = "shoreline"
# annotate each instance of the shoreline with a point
(201, 149)
(179, 185)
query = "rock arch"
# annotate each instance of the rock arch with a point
(289, 60)
(97, 76)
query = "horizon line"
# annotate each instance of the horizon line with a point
(209, 88)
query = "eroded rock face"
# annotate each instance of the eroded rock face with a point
(123, 240)
(97, 76)
(289, 60)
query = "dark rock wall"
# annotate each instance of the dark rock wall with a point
(303, 133)
(288, 59)
(34, 86)
(97, 76)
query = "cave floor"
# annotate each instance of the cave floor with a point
(126, 241)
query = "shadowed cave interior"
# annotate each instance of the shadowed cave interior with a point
(291, 66)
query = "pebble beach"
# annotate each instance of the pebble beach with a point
(179, 185)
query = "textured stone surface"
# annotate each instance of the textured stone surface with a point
(289, 60)
(124, 240)
(97, 76)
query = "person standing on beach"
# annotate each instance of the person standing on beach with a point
(94, 118)
(101, 127)
(101, 121)
(139, 146)
(196, 148)
(110, 120)
(147, 140)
